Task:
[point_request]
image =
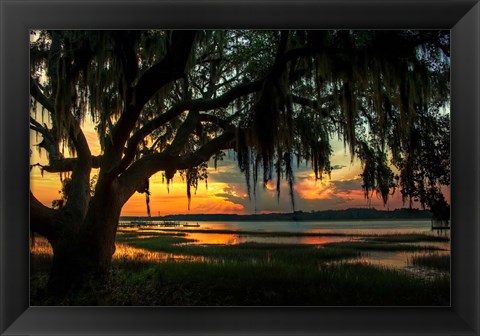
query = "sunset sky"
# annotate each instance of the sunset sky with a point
(227, 191)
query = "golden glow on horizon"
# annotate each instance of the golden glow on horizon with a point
(174, 200)
(311, 189)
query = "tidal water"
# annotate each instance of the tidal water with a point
(329, 232)
(350, 226)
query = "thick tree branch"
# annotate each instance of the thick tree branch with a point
(208, 104)
(196, 104)
(67, 164)
(183, 132)
(204, 153)
(172, 67)
(37, 127)
(313, 104)
(214, 120)
(135, 175)
(81, 144)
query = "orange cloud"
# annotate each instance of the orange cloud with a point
(172, 199)
(270, 186)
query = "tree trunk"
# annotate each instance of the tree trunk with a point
(85, 254)
(83, 241)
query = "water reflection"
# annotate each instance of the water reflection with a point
(213, 238)
(386, 259)
(398, 260)
(234, 239)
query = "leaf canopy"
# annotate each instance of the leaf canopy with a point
(285, 94)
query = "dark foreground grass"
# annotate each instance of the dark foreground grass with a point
(250, 274)
(247, 284)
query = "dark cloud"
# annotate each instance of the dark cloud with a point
(266, 200)
(227, 172)
(333, 202)
(349, 185)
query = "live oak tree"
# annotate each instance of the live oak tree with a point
(168, 101)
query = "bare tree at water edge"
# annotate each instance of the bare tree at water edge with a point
(169, 101)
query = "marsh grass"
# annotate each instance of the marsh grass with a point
(251, 252)
(435, 261)
(158, 269)
(380, 246)
(409, 238)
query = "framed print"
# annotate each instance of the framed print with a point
(331, 127)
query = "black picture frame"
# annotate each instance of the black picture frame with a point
(19, 16)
